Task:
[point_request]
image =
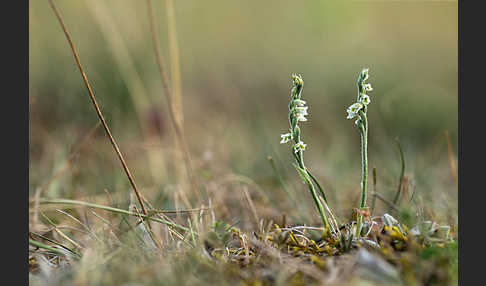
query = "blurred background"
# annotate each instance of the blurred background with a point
(231, 64)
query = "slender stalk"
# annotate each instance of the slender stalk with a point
(97, 108)
(305, 176)
(321, 190)
(297, 112)
(364, 162)
(177, 124)
(364, 170)
(320, 207)
(359, 110)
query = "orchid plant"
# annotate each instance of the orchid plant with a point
(359, 110)
(298, 113)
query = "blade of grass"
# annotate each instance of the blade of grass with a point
(60, 232)
(170, 99)
(49, 248)
(175, 78)
(250, 203)
(66, 166)
(88, 229)
(146, 231)
(280, 180)
(111, 209)
(142, 102)
(55, 242)
(402, 172)
(191, 231)
(373, 200)
(333, 218)
(153, 211)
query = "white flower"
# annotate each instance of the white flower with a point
(299, 102)
(285, 138)
(353, 110)
(301, 110)
(358, 121)
(301, 117)
(367, 87)
(299, 146)
(365, 99)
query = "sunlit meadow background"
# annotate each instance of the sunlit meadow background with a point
(235, 60)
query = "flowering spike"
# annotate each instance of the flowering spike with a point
(359, 109)
(297, 113)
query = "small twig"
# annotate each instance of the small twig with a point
(97, 108)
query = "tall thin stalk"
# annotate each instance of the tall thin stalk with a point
(175, 119)
(359, 109)
(364, 170)
(297, 113)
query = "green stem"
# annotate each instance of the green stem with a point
(364, 167)
(321, 190)
(318, 203)
(320, 207)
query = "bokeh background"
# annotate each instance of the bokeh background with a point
(235, 60)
